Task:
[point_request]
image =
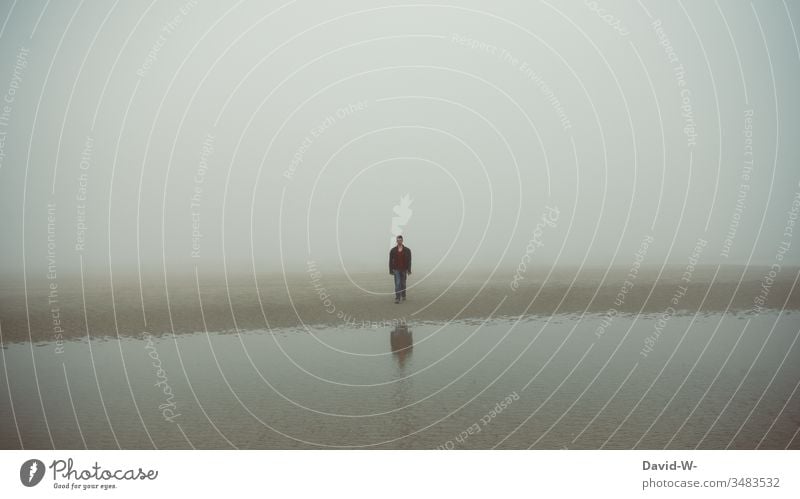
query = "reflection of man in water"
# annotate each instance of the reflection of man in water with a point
(399, 266)
(401, 342)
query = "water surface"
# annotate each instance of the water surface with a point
(709, 380)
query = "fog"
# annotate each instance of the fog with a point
(264, 135)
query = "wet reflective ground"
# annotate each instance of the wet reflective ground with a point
(709, 381)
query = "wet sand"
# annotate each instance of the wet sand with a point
(712, 381)
(291, 301)
(568, 376)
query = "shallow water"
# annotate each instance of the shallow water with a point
(710, 381)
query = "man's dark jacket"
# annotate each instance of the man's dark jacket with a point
(393, 259)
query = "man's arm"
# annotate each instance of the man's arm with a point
(409, 260)
(390, 260)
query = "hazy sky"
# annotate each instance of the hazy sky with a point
(290, 131)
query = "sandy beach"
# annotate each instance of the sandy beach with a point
(681, 365)
(277, 301)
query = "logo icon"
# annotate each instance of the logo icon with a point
(403, 212)
(31, 472)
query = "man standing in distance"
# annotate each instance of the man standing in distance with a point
(400, 266)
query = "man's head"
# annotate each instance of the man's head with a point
(399, 240)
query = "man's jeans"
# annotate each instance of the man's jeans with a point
(399, 284)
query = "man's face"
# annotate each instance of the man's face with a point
(399, 241)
